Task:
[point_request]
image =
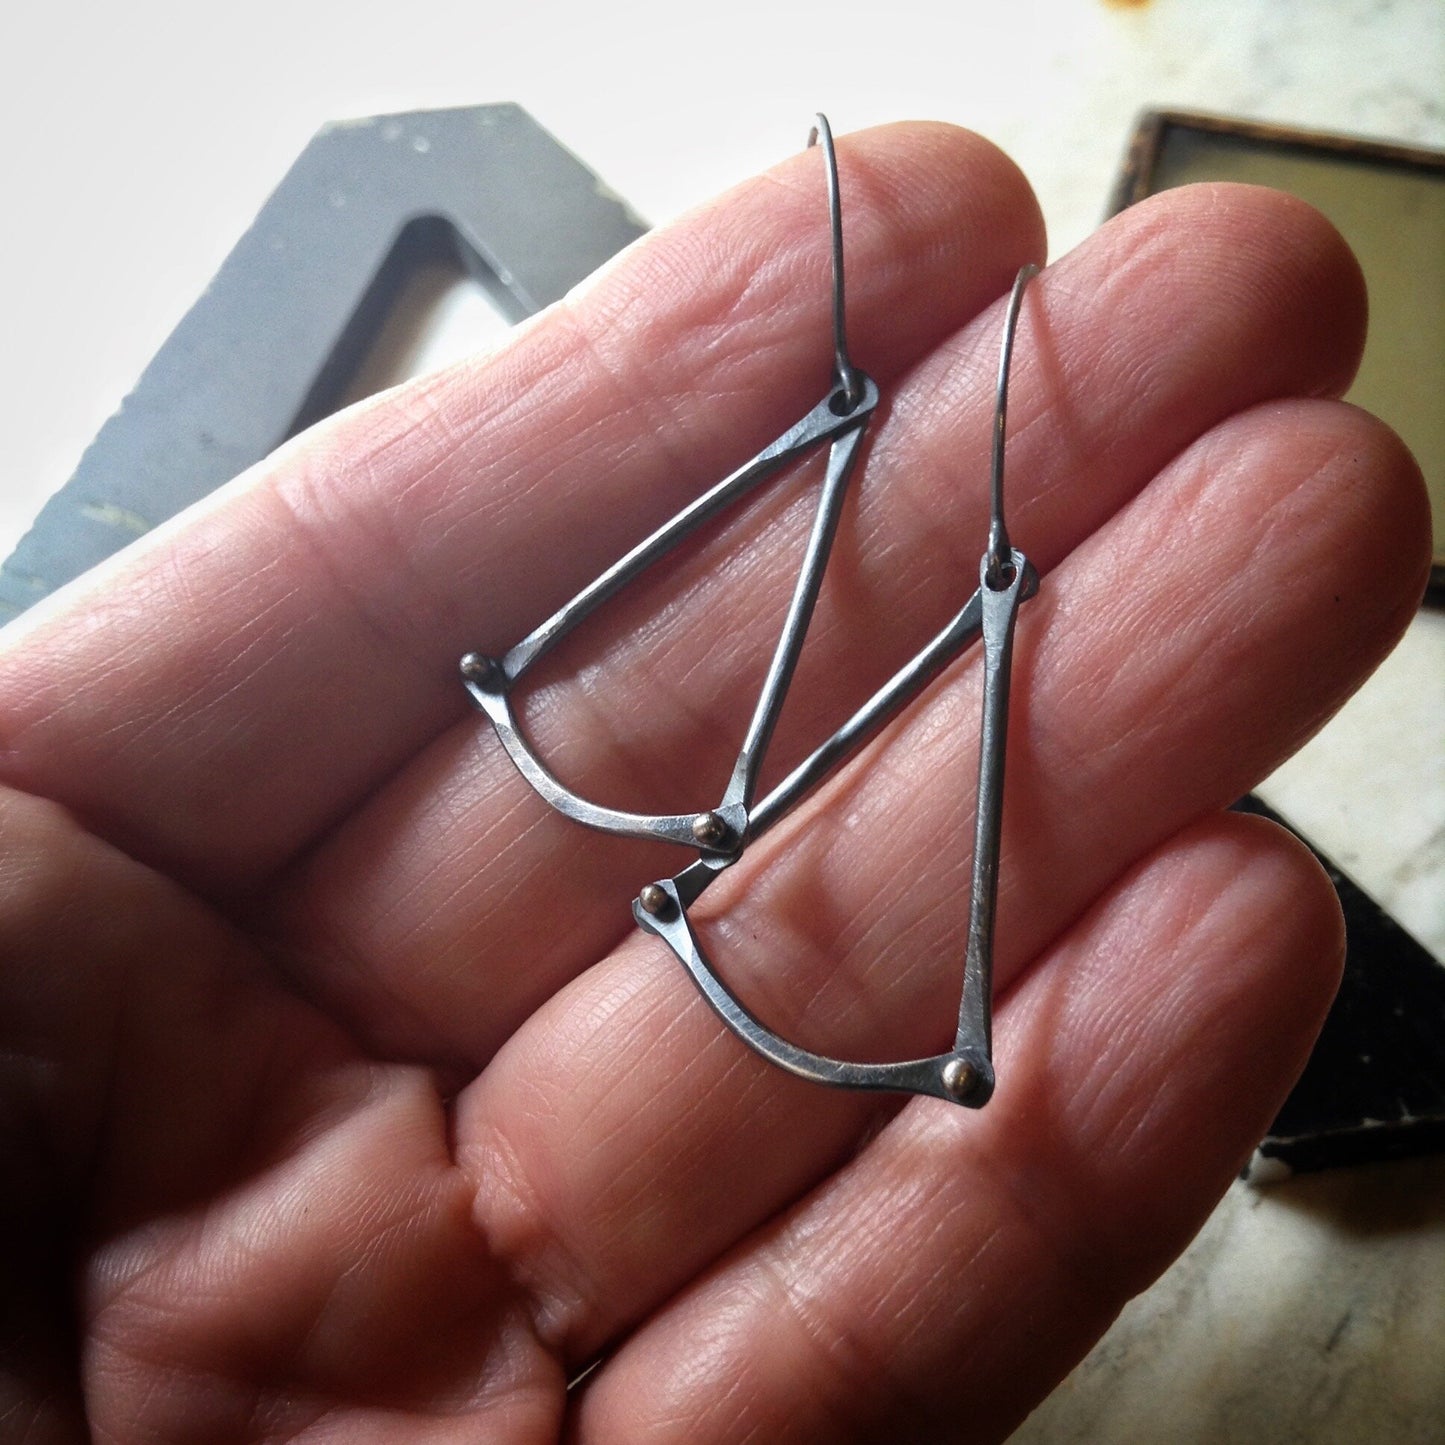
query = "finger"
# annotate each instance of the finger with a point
(229, 1217)
(621, 1140)
(213, 670)
(940, 1284)
(420, 920)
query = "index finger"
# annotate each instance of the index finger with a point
(267, 661)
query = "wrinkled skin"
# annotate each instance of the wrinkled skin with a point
(342, 1101)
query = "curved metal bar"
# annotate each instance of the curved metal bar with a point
(961, 1076)
(844, 373)
(716, 831)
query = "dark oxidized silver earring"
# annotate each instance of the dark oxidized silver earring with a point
(721, 834)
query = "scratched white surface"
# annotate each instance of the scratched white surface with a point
(141, 139)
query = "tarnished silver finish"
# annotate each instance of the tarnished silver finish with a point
(720, 834)
(911, 1076)
(1000, 611)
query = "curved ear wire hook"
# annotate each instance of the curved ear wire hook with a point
(963, 1075)
(844, 374)
(999, 549)
(839, 419)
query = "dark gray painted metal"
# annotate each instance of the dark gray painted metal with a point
(271, 345)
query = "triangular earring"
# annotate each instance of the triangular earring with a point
(839, 419)
(963, 1075)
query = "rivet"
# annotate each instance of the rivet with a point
(710, 829)
(959, 1079)
(653, 898)
(476, 667)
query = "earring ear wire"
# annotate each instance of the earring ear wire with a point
(844, 374)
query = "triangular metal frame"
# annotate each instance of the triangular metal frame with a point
(719, 830)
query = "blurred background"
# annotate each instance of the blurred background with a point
(142, 139)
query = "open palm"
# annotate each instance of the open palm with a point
(343, 1102)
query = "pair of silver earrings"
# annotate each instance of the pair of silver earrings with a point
(721, 834)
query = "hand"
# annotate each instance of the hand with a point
(343, 1102)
